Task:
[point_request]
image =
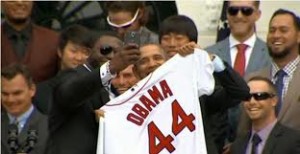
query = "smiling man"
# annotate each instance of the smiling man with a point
(152, 56)
(266, 132)
(124, 80)
(242, 49)
(283, 40)
(17, 90)
(24, 42)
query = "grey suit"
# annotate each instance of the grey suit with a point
(36, 121)
(290, 111)
(259, 59)
(282, 140)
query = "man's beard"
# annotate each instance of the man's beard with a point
(279, 55)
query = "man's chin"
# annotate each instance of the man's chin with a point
(19, 21)
(121, 91)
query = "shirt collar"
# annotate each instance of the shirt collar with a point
(22, 118)
(288, 69)
(249, 42)
(10, 31)
(264, 133)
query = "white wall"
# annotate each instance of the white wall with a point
(206, 14)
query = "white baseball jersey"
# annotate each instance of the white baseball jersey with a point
(161, 114)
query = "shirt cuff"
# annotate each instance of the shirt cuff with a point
(106, 75)
(218, 64)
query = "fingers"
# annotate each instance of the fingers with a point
(130, 46)
(226, 149)
(99, 113)
(187, 49)
(130, 54)
(211, 56)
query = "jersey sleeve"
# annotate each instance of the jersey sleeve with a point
(204, 74)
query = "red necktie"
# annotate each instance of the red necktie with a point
(240, 60)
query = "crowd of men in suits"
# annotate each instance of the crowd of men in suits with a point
(55, 83)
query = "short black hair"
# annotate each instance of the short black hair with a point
(11, 71)
(179, 24)
(296, 19)
(266, 80)
(76, 34)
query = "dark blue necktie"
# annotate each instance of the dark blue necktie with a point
(279, 86)
(255, 141)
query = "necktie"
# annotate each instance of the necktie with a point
(279, 86)
(240, 60)
(255, 141)
(16, 123)
(20, 45)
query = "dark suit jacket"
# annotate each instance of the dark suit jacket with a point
(229, 90)
(36, 121)
(44, 94)
(72, 123)
(40, 55)
(291, 102)
(282, 140)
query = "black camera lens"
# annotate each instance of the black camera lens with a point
(106, 49)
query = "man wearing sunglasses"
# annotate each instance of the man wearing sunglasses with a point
(283, 40)
(242, 49)
(125, 16)
(265, 132)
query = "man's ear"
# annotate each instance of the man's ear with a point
(59, 53)
(32, 89)
(274, 101)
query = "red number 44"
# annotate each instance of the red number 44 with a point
(165, 141)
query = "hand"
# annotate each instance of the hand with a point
(211, 56)
(226, 149)
(99, 113)
(129, 54)
(187, 48)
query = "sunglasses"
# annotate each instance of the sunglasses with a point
(260, 96)
(124, 25)
(106, 49)
(233, 10)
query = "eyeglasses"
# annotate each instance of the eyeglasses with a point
(260, 96)
(124, 25)
(234, 10)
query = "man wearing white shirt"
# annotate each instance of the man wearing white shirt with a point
(243, 50)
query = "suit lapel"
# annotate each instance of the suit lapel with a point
(29, 125)
(292, 95)
(4, 129)
(256, 56)
(224, 51)
(242, 143)
(272, 139)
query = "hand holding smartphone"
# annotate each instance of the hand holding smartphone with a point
(132, 37)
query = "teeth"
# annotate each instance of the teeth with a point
(253, 109)
(277, 43)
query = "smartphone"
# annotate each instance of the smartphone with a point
(132, 37)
